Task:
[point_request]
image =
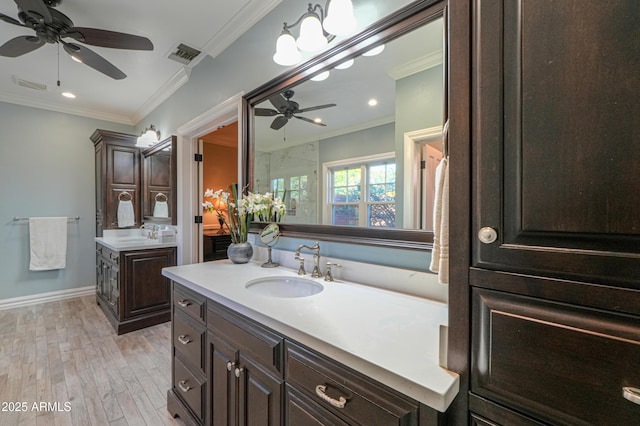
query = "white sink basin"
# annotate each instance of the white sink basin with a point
(284, 287)
(132, 239)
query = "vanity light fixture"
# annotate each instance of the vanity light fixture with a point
(316, 30)
(375, 51)
(148, 137)
(321, 77)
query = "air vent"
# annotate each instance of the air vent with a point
(184, 54)
(30, 84)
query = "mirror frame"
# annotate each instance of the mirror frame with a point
(171, 141)
(402, 21)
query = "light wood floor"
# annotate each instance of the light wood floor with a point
(65, 353)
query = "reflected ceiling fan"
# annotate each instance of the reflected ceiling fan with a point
(52, 26)
(286, 109)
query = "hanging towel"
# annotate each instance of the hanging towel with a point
(440, 253)
(48, 243)
(161, 209)
(126, 217)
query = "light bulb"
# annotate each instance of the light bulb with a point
(286, 50)
(321, 77)
(340, 20)
(311, 37)
(375, 51)
(345, 65)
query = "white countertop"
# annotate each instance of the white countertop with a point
(388, 336)
(125, 240)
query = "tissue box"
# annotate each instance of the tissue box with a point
(166, 236)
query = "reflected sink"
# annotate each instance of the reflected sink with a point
(132, 239)
(284, 287)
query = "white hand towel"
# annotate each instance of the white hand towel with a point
(48, 243)
(440, 253)
(126, 216)
(161, 209)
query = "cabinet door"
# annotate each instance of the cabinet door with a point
(146, 289)
(222, 381)
(259, 396)
(556, 138)
(122, 174)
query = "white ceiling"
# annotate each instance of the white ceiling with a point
(208, 25)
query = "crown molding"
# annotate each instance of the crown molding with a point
(419, 64)
(80, 111)
(176, 81)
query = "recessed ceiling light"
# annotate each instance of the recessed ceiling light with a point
(375, 51)
(373, 102)
(345, 65)
(317, 120)
(322, 76)
(68, 95)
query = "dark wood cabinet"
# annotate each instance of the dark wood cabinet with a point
(255, 376)
(130, 287)
(555, 309)
(215, 245)
(117, 168)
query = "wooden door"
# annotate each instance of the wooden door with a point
(259, 396)
(557, 138)
(222, 381)
(146, 289)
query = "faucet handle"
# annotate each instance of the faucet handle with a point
(328, 276)
(301, 270)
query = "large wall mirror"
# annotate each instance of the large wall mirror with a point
(160, 183)
(351, 139)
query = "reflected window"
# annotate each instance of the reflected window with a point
(363, 193)
(292, 190)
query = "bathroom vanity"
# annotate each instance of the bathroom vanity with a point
(130, 287)
(263, 346)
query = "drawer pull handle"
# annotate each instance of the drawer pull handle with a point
(182, 384)
(184, 339)
(632, 394)
(238, 371)
(321, 392)
(230, 365)
(184, 303)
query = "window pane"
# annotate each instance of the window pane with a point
(294, 182)
(340, 195)
(353, 194)
(377, 192)
(382, 215)
(391, 172)
(391, 192)
(345, 215)
(377, 174)
(354, 176)
(340, 178)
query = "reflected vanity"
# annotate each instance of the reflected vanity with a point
(355, 154)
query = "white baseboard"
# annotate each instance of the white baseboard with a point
(34, 299)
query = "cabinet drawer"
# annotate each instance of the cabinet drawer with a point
(365, 402)
(302, 410)
(188, 302)
(189, 340)
(189, 388)
(559, 363)
(264, 345)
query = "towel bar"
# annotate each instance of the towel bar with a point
(16, 219)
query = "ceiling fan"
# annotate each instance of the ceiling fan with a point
(52, 26)
(286, 109)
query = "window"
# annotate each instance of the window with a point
(362, 192)
(296, 188)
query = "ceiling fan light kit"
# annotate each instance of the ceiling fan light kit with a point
(52, 26)
(316, 30)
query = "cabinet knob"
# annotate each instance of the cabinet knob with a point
(230, 365)
(487, 235)
(632, 394)
(238, 371)
(184, 339)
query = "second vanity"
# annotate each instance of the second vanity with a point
(130, 287)
(349, 354)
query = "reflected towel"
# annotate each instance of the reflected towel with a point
(126, 217)
(47, 243)
(161, 209)
(440, 253)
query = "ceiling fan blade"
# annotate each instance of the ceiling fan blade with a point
(112, 39)
(19, 46)
(10, 20)
(279, 122)
(35, 9)
(308, 120)
(92, 59)
(279, 102)
(265, 112)
(317, 107)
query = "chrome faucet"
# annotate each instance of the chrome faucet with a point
(316, 259)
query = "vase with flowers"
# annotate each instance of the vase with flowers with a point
(241, 210)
